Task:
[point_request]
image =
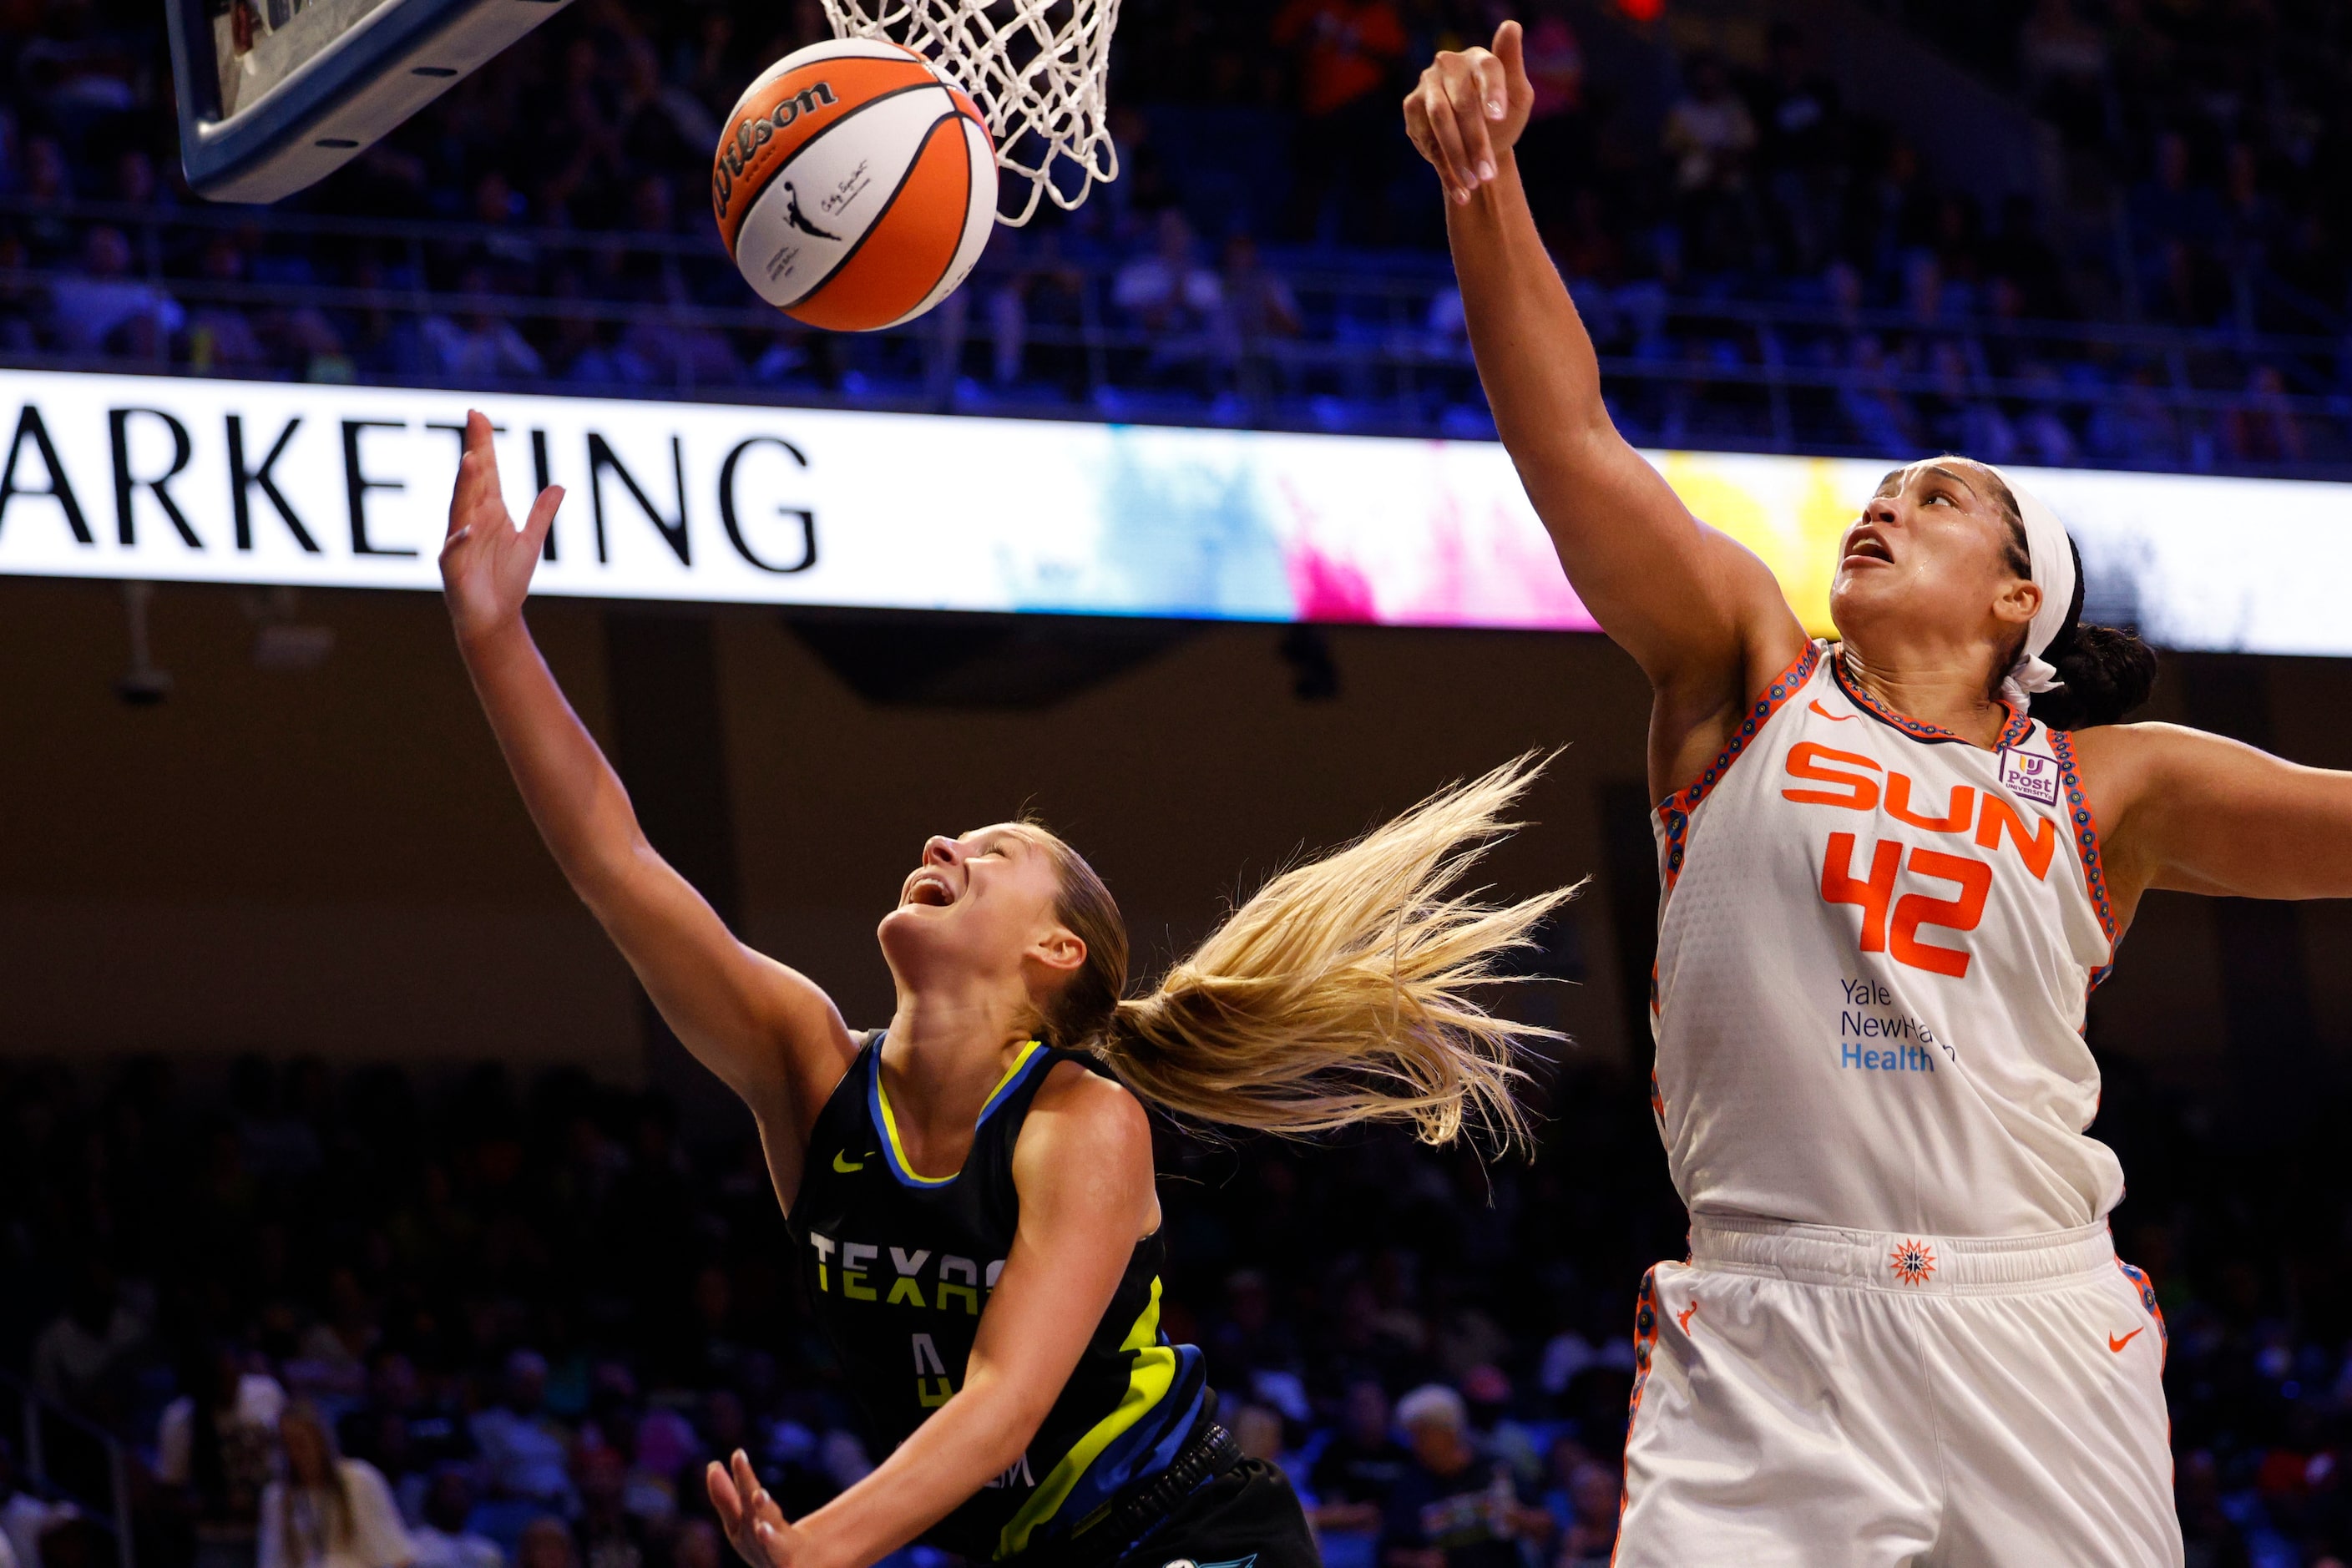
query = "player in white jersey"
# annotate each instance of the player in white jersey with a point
(1893, 865)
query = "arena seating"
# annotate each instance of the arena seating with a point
(1764, 268)
(451, 1265)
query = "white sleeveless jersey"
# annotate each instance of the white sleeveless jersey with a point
(1874, 948)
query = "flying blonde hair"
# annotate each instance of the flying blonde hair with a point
(1340, 993)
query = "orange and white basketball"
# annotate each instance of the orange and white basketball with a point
(855, 186)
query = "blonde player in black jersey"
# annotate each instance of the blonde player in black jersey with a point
(972, 1188)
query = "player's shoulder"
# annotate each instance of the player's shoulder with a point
(1084, 1115)
(2136, 752)
(2123, 767)
(1076, 1090)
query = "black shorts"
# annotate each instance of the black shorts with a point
(1246, 1518)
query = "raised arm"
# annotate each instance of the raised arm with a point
(1702, 616)
(2197, 813)
(1083, 1170)
(766, 1030)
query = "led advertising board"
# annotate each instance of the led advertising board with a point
(172, 480)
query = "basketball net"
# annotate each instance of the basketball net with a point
(1038, 69)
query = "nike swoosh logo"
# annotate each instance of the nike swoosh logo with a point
(841, 1162)
(2117, 1345)
(1833, 717)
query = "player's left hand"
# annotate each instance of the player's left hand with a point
(756, 1526)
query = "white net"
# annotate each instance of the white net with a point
(1039, 70)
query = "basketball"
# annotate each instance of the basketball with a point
(854, 186)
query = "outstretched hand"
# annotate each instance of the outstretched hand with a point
(485, 561)
(754, 1524)
(1469, 109)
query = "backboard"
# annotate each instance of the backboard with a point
(276, 95)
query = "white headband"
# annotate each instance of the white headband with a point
(2052, 562)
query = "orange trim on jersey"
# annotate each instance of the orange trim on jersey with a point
(2012, 733)
(1645, 1344)
(2085, 828)
(1674, 811)
(2146, 1288)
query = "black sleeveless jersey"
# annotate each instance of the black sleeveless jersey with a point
(899, 1267)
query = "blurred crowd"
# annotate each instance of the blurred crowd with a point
(1765, 265)
(369, 1320)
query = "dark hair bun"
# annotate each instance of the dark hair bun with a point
(2107, 673)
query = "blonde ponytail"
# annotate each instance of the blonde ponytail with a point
(1340, 993)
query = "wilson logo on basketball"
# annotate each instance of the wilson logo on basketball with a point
(755, 131)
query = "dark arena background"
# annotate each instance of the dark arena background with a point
(316, 1082)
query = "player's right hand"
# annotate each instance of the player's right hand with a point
(485, 561)
(754, 1525)
(1468, 110)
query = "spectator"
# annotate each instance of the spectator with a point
(1708, 139)
(546, 1543)
(1799, 150)
(525, 1452)
(1891, 213)
(1259, 316)
(499, 206)
(2136, 429)
(607, 1534)
(1172, 297)
(697, 1546)
(2065, 64)
(1041, 290)
(2042, 433)
(134, 180)
(673, 348)
(442, 1537)
(1257, 1429)
(329, 1511)
(2256, 226)
(48, 187)
(1496, 1433)
(214, 1443)
(334, 1351)
(1166, 291)
(1359, 1467)
(2173, 218)
(83, 1346)
(24, 1518)
(480, 345)
(1349, 53)
(220, 335)
(20, 305)
(1252, 1335)
(103, 309)
(1450, 1509)
(1587, 1508)
(2020, 255)
(1876, 415)
(2263, 430)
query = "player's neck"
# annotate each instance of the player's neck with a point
(1944, 688)
(948, 1047)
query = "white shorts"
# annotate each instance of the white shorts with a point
(1808, 1397)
